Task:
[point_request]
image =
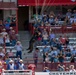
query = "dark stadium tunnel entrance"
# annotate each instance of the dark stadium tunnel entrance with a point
(23, 18)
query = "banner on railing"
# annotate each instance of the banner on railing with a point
(55, 73)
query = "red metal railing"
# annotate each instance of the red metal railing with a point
(56, 29)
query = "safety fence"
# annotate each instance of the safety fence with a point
(51, 66)
(29, 72)
(16, 72)
(56, 29)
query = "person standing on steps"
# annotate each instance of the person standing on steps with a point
(35, 56)
(19, 49)
(32, 41)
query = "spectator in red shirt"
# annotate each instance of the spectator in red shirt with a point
(62, 40)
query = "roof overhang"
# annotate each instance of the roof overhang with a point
(46, 2)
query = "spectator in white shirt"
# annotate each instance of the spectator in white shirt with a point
(69, 13)
(72, 68)
(2, 53)
(4, 32)
(7, 40)
(19, 49)
(45, 38)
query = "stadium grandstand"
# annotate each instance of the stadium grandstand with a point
(37, 37)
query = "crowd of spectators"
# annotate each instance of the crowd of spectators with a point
(59, 49)
(61, 68)
(9, 38)
(53, 19)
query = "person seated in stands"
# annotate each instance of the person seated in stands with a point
(71, 46)
(52, 14)
(71, 20)
(7, 60)
(62, 40)
(54, 54)
(46, 69)
(51, 20)
(13, 38)
(53, 42)
(39, 40)
(45, 19)
(74, 13)
(2, 54)
(44, 31)
(1, 40)
(68, 53)
(45, 50)
(9, 19)
(59, 16)
(39, 22)
(67, 21)
(7, 26)
(51, 35)
(45, 38)
(44, 13)
(56, 21)
(7, 40)
(68, 14)
(73, 52)
(72, 69)
(72, 59)
(47, 23)
(21, 65)
(10, 54)
(60, 67)
(47, 58)
(4, 32)
(11, 65)
(13, 18)
(10, 31)
(42, 23)
(34, 24)
(19, 49)
(61, 57)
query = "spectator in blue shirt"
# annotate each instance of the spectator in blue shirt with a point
(45, 50)
(73, 52)
(7, 25)
(11, 65)
(46, 69)
(21, 65)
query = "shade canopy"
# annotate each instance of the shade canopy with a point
(46, 2)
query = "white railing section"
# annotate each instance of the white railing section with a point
(16, 72)
(29, 72)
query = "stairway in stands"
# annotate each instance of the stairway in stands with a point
(24, 38)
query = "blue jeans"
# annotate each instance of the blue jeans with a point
(35, 61)
(45, 42)
(19, 53)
